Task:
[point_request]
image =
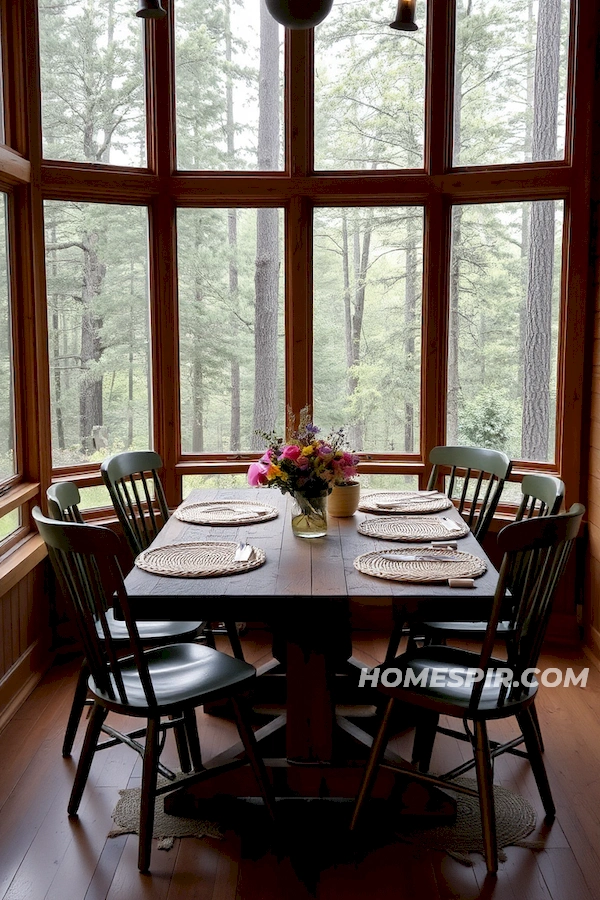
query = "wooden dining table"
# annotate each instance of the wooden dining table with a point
(304, 591)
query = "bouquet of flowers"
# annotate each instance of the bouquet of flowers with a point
(307, 465)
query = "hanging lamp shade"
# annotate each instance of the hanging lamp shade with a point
(299, 13)
(151, 9)
(405, 16)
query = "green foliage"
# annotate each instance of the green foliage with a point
(488, 420)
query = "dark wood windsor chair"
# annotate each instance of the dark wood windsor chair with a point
(151, 684)
(535, 551)
(63, 505)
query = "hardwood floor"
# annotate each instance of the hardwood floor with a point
(45, 856)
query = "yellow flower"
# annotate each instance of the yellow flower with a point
(308, 451)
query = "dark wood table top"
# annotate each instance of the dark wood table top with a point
(296, 569)
(303, 591)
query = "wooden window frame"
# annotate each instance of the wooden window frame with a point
(297, 189)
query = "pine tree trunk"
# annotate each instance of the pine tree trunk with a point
(266, 279)
(90, 395)
(457, 213)
(537, 349)
(235, 438)
(410, 302)
(197, 406)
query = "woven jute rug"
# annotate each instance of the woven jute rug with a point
(515, 820)
(126, 816)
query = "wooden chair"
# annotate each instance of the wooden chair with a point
(138, 497)
(63, 505)
(535, 554)
(475, 482)
(151, 684)
(542, 495)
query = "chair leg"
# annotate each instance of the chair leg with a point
(77, 707)
(394, 641)
(377, 751)
(182, 745)
(485, 783)
(92, 734)
(425, 733)
(527, 724)
(191, 727)
(210, 637)
(148, 794)
(234, 639)
(255, 759)
(536, 722)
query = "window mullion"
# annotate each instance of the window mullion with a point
(299, 141)
(439, 106)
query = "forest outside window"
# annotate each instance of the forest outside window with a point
(229, 69)
(369, 89)
(504, 314)
(92, 80)
(510, 81)
(8, 462)
(99, 349)
(342, 241)
(368, 275)
(232, 376)
(11, 521)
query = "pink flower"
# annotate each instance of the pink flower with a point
(291, 451)
(257, 474)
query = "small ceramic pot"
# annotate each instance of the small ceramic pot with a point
(343, 499)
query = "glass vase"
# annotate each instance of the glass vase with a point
(309, 515)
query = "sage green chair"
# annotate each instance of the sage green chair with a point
(535, 553)
(63, 506)
(476, 478)
(542, 495)
(133, 482)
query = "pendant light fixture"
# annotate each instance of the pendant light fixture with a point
(299, 13)
(405, 16)
(151, 9)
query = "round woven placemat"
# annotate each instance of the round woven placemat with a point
(423, 570)
(411, 528)
(198, 559)
(225, 512)
(408, 502)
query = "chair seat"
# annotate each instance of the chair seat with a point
(453, 694)
(181, 674)
(150, 632)
(464, 627)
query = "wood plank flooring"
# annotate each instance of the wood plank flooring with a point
(45, 856)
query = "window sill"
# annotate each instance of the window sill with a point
(20, 561)
(17, 496)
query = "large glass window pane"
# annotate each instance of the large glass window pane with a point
(368, 273)
(92, 74)
(369, 89)
(230, 266)
(228, 76)
(9, 523)
(97, 283)
(2, 122)
(504, 313)
(7, 413)
(511, 81)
